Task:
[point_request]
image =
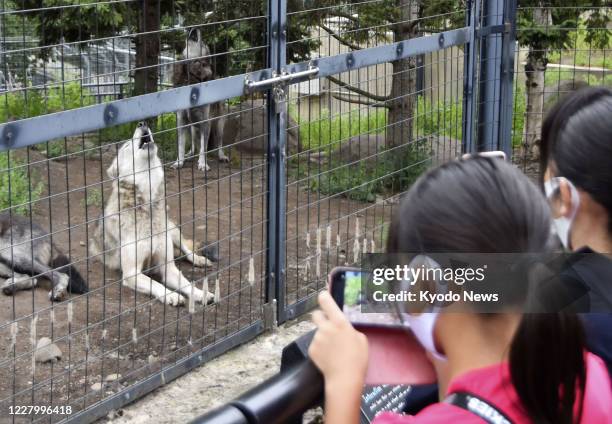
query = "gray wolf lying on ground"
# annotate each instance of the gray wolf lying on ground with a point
(26, 253)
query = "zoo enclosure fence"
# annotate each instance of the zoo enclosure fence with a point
(331, 111)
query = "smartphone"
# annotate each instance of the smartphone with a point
(395, 355)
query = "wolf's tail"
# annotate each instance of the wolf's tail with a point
(76, 284)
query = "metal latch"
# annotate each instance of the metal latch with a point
(283, 78)
(280, 98)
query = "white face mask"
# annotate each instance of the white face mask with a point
(423, 325)
(563, 224)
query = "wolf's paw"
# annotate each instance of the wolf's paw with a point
(202, 165)
(177, 164)
(173, 299)
(201, 261)
(12, 285)
(223, 158)
(198, 295)
(8, 287)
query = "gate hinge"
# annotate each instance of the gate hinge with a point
(269, 315)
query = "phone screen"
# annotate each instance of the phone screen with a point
(353, 299)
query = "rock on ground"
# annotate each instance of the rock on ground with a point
(46, 351)
(216, 382)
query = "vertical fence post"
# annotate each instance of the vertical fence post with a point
(507, 78)
(469, 78)
(277, 122)
(490, 76)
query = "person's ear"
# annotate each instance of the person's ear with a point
(565, 199)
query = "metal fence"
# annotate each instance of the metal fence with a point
(327, 111)
(562, 48)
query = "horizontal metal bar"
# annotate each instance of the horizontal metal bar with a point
(43, 128)
(284, 77)
(301, 306)
(376, 55)
(164, 376)
(492, 29)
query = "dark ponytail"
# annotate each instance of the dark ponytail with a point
(547, 366)
(487, 206)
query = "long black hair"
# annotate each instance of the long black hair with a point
(485, 205)
(577, 141)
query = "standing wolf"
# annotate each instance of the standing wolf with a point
(135, 233)
(26, 252)
(194, 68)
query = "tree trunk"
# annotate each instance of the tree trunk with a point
(535, 69)
(147, 48)
(403, 82)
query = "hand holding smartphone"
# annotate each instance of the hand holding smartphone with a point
(396, 357)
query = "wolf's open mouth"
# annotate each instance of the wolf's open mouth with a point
(145, 139)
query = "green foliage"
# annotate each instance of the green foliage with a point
(439, 118)
(328, 131)
(24, 104)
(557, 34)
(352, 289)
(586, 48)
(394, 170)
(16, 187)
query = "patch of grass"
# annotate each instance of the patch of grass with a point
(329, 131)
(16, 187)
(582, 52)
(93, 198)
(395, 170)
(25, 104)
(439, 118)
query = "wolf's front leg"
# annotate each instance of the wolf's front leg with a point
(186, 247)
(204, 136)
(18, 282)
(15, 281)
(136, 280)
(183, 132)
(177, 281)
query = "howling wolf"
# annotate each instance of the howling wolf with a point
(135, 233)
(26, 253)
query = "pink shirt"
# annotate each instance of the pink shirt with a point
(493, 385)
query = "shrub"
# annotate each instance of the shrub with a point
(16, 188)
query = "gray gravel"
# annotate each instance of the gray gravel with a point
(215, 382)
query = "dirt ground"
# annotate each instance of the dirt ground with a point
(216, 382)
(113, 337)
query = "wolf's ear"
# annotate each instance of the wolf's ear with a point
(113, 170)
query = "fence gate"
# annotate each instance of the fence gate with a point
(331, 109)
(382, 100)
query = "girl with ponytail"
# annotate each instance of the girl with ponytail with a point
(504, 367)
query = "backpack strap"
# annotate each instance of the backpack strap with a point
(478, 406)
